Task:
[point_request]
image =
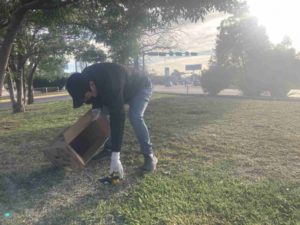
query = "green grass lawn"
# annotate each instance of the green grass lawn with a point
(221, 161)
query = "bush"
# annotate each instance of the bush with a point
(215, 79)
(59, 82)
(251, 86)
(279, 87)
(157, 80)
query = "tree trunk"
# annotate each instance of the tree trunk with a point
(17, 18)
(24, 87)
(76, 70)
(32, 68)
(144, 64)
(30, 98)
(19, 87)
(12, 29)
(136, 63)
(11, 93)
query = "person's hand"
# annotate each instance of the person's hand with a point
(95, 114)
(93, 89)
(116, 167)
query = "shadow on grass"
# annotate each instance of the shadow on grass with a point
(85, 208)
(166, 116)
(21, 190)
(186, 113)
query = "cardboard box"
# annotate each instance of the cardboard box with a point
(76, 146)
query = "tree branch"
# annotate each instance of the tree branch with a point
(43, 4)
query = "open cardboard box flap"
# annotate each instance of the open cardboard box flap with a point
(75, 146)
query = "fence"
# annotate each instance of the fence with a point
(46, 89)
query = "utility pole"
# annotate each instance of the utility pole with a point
(143, 63)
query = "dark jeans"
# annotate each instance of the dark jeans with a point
(137, 108)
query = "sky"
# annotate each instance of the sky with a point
(280, 18)
(195, 37)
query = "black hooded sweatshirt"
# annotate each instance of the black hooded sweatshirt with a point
(115, 87)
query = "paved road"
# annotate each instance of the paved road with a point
(181, 89)
(178, 89)
(158, 88)
(39, 100)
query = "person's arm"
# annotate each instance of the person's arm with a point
(96, 108)
(115, 95)
(110, 81)
(117, 120)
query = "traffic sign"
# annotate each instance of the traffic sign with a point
(193, 67)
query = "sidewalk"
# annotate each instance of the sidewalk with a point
(176, 89)
(47, 95)
(181, 89)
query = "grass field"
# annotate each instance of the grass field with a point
(221, 161)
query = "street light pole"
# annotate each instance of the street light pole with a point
(143, 63)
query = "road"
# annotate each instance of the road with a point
(40, 99)
(178, 89)
(181, 89)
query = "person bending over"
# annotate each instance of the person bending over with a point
(110, 86)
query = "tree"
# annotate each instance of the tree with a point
(88, 53)
(50, 72)
(35, 43)
(242, 45)
(216, 79)
(281, 69)
(13, 15)
(121, 26)
(116, 23)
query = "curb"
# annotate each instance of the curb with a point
(6, 100)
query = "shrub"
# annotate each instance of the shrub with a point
(251, 86)
(44, 82)
(215, 79)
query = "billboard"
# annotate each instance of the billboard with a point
(193, 67)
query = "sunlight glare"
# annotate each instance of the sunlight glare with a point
(280, 18)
